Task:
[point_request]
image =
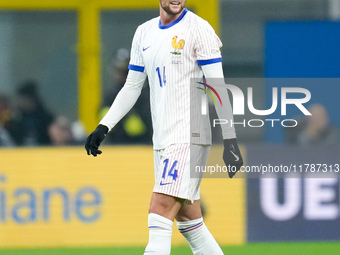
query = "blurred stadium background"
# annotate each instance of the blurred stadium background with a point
(56, 200)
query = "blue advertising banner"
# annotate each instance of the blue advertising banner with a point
(305, 49)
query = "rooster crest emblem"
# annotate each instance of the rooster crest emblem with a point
(176, 54)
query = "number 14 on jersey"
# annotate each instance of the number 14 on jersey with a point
(162, 78)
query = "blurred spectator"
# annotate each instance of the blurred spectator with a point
(315, 129)
(60, 132)
(118, 70)
(78, 132)
(32, 116)
(135, 127)
(5, 118)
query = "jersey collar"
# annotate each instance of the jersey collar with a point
(174, 22)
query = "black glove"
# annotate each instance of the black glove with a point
(94, 139)
(232, 156)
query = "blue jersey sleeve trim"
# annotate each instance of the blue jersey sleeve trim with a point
(208, 61)
(173, 23)
(136, 68)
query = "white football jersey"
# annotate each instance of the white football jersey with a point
(171, 56)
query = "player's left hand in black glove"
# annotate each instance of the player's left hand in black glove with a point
(232, 156)
(94, 140)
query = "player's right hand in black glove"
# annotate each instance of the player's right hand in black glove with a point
(94, 140)
(232, 156)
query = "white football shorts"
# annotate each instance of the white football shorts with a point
(172, 170)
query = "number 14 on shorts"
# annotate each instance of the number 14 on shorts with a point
(171, 172)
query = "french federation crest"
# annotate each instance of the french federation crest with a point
(178, 46)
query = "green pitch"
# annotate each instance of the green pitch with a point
(329, 248)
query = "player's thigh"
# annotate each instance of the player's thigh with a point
(173, 170)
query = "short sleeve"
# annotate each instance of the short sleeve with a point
(207, 44)
(136, 58)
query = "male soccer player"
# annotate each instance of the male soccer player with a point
(171, 49)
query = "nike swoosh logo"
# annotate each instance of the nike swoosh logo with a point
(144, 49)
(237, 158)
(162, 184)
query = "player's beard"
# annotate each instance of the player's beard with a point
(168, 10)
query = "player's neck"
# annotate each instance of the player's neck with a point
(167, 18)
